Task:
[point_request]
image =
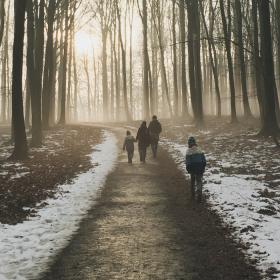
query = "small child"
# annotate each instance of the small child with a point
(195, 164)
(128, 145)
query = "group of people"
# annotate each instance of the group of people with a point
(195, 159)
(146, 136)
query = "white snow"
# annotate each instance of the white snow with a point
(26, 249)
(19, 175)
(237, 199)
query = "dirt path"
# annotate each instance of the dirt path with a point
(144, 226)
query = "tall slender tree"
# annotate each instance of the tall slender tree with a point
(35, 37)
(123, 52)
(20, 141)
(62, 119)
(213, 59)
(270, 125)
(227, 39)
(49, 66)
(175, 70)
(2, 19)
(243, 74)
(185, 111)
(144, 16)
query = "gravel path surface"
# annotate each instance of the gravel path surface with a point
(145, 226)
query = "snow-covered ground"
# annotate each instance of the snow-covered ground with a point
(245, 204)
(27, 248)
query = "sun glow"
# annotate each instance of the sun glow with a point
(86, 43)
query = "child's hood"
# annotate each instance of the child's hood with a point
(194, 150)
(130, 137)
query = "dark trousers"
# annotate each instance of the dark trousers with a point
(142, 153)
(196, 185)
(130, 156)
(154, 146)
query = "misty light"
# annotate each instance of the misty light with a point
(86, 43)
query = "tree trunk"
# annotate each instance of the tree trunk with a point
(126, 109)
(5, 66)
(158, 27)
(27, 105)
(20, 141)
(105, 75)
(185, 111)
(130, 59)
(88, 88)
(146, 112)
(2, 19)
(60, 53)
(197, 59)
(62, 119)
(175, 72)
(243, 75)
(35, 41)
(154, 70)
(75, 84)
(117, 73)
(270, 125)
(227, 36)
(112, 86)
(70, 60)
(257, 59)
(213, 61)
(49, 67)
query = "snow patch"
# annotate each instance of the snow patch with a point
(239, 200)
(26, 249)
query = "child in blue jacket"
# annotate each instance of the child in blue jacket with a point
(128, 145)
(195, 164)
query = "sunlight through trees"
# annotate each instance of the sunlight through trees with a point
(126, 60)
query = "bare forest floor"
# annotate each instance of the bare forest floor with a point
(145, 226)
(25, 185)
(241, 183)
(234, 149)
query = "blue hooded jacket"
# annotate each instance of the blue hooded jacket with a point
(195, 161)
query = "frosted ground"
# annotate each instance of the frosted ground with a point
(239, 199)
(247, 200)
(27, 248)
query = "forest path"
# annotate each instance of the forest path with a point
(144, 226)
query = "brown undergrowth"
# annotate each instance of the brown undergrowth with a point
(27, 184)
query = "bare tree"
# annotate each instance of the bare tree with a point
(2, 19)
(270, 125)
(243, 74)
(35, 37)
(125, 99)
(175, 71)
(47, 92)
(103, 10)
(144, 17)
(185, 111)
(227, 38)
(213, 58)
(62, 119)
(20, 141)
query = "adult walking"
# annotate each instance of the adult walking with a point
(154, 131)
(143, 141)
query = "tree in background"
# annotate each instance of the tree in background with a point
(270, 125)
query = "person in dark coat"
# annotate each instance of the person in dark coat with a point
(154, 131)
(195, 165)
(128, 145)
(143, 141)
